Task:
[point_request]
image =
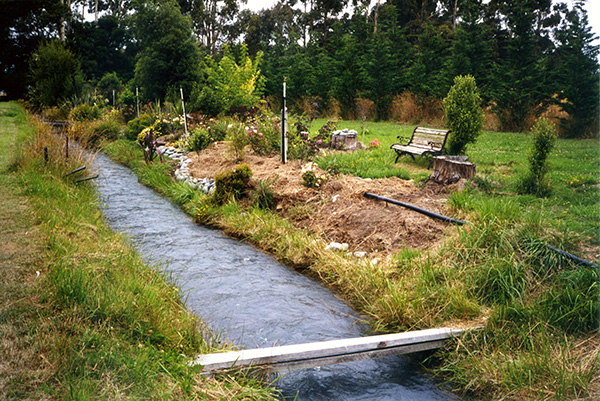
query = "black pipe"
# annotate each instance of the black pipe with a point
(87, 178)
(75, 171)
(573, 257)
(416, 209)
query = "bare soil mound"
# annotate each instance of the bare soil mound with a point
(338, 211)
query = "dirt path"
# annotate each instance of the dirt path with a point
(22, 367)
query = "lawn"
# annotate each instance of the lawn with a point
(501, 159)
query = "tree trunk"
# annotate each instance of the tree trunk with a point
(450, 169)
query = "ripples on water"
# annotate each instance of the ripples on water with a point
(253, 300)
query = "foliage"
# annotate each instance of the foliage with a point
(135, 126)
(200, 139)
(463, 114)
(263, 196)
(237, 139)
(108, 128)
(578, 74)
(311, 177)
(146, 139)
(55, 75)
(105, 46)
(231, 84)
(169, 57)
(544, 138)
(232, 184)
(108, 83)
(85, 112)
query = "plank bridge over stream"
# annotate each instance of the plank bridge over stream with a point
(301, 356)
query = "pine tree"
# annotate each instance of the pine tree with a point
(577, 74)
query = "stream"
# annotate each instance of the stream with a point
(252, 300)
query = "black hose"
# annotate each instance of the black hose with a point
(573, 257)
(87, 178)
(75, 171)
(416, 209)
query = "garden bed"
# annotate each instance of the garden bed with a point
(338, 211)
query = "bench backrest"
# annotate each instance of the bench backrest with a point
(429, 138)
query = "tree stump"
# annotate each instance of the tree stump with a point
(450, 169)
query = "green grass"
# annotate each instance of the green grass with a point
(572, 209)
(536, 307)
(107, 325)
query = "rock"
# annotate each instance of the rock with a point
(359, 254)
(336, 246)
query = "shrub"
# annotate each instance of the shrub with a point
(544, 137)
(463, 114)
(110, 82)
(263, 196)
(135, 126)
(200, 139)
(85, 112)
(232, 184)
(218, 128)
(310, 176)
(238, 138)
(55, 74)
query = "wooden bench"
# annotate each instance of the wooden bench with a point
(426, 142)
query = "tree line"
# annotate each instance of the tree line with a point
(525, 55)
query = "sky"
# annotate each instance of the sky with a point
(592, 7)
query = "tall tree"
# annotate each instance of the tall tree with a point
(577, 73)
(472, 48)
(23, 26)
(169, 57)
(55, 75)
(103, 47)
(213, 20)
(521, 86)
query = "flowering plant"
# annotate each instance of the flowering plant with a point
(310, 176)
(375, 143)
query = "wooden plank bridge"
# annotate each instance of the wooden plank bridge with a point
(301, 356)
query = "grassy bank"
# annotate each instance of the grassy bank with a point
(83, 317)
(539, 310)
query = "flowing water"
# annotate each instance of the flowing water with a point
(253, 300)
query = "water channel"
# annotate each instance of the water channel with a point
(253, 300)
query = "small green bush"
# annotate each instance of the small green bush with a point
(135, 126)
(218, 128)
(200, 139)
(109, 128)
(238, 139)
(544, 137)
(232, 184)
(464, 114)
(263, 196)
(85, 112)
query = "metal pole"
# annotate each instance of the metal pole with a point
(114, 104)
(137, 101)
(284, 125)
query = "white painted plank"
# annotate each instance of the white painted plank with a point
(298, 356)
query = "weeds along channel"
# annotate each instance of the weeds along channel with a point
(107, 326)
(539, 310)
